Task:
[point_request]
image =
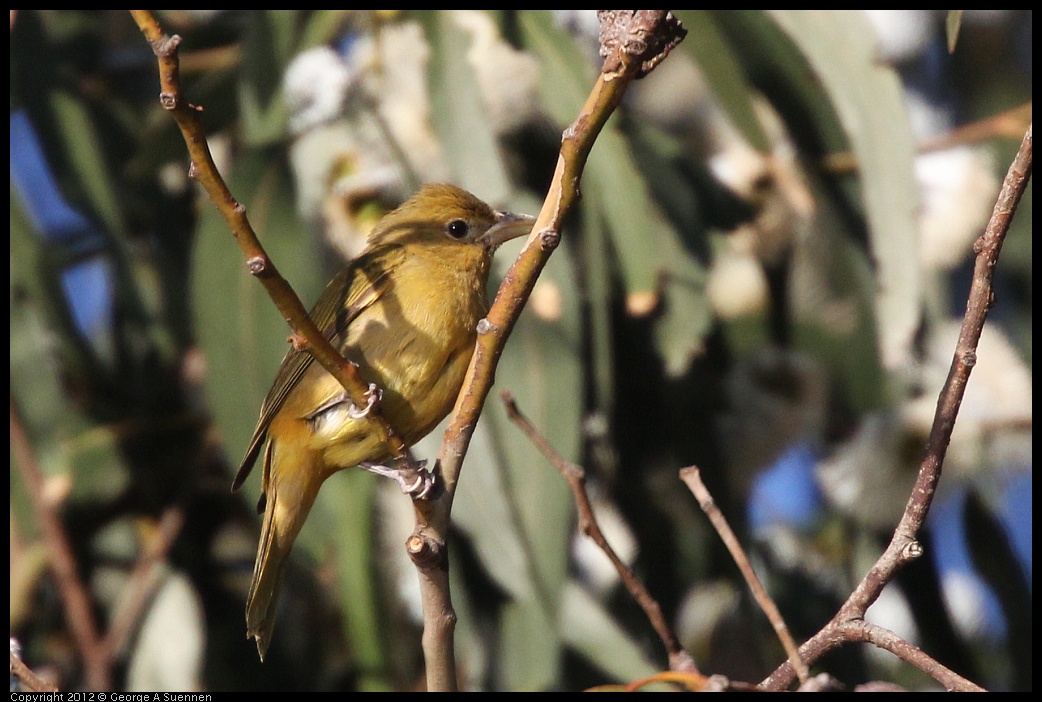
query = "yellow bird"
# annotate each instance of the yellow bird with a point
(406, 311)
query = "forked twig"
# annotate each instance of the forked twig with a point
(693, 479)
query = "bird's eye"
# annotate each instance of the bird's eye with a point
(458, 229)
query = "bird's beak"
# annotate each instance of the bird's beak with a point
(508, 226)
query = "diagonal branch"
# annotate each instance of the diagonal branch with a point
(73, 592)
(692, 477)
(306, 334)
(904, 546)
(679, 659)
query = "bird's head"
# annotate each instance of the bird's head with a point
(441, 213)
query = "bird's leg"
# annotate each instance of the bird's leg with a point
(413, 478)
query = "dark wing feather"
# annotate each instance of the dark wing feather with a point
(349, 293)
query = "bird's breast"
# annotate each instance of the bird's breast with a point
(415, 344)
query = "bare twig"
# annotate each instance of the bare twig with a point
(691, 476)
(860, 630)
(70, 587)
(305, 334)
(142, 579)
(30, 679)
(904, 545)
(633, 42)
(575, 476)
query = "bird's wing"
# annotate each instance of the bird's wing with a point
(350, 292)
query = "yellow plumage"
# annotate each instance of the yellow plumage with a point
(406, 311)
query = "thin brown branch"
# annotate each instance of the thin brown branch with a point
(73, 593)
(30, 679)
(575, 476)
(305, 333)
(860, 630)
(904, 545)
(1008, 124)
(692, 477)
(641, 40)
(141, 583)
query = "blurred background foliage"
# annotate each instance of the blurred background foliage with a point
(764, 278)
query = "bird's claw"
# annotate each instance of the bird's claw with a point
(415, 481)
(372, 396)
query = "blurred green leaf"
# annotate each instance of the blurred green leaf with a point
(565, 75)
(775, 66)
(341, 523)
(645, 244)
(267, 49)
(511, 502)
(458, 110)
(593, 631)
(87, 156)
(952, 25)
(708, 45)
(841, 49)
(649, 252)
(240, 331)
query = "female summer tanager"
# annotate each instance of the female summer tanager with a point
(406, 311)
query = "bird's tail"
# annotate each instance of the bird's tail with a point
(289, 493)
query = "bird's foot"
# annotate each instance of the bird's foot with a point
(372, 396)
(412, 477)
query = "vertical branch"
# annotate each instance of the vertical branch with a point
(633, 42)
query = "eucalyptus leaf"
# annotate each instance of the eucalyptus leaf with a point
(513, 505)
(716, 57)
(82, 145)
(458, 110)
(267, 49)
(647, 247)
(592, 631)
(952, 25)
(341, 523)
(530, 646)
(566, 74)
(240, 332)
(841, 48)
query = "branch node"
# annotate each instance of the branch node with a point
(166, 45)
(485, 327)
(549, 239)
(644, 36)
(257, 265)
(911, 551)
(168, 101)
(573, 130)
(424, 551)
